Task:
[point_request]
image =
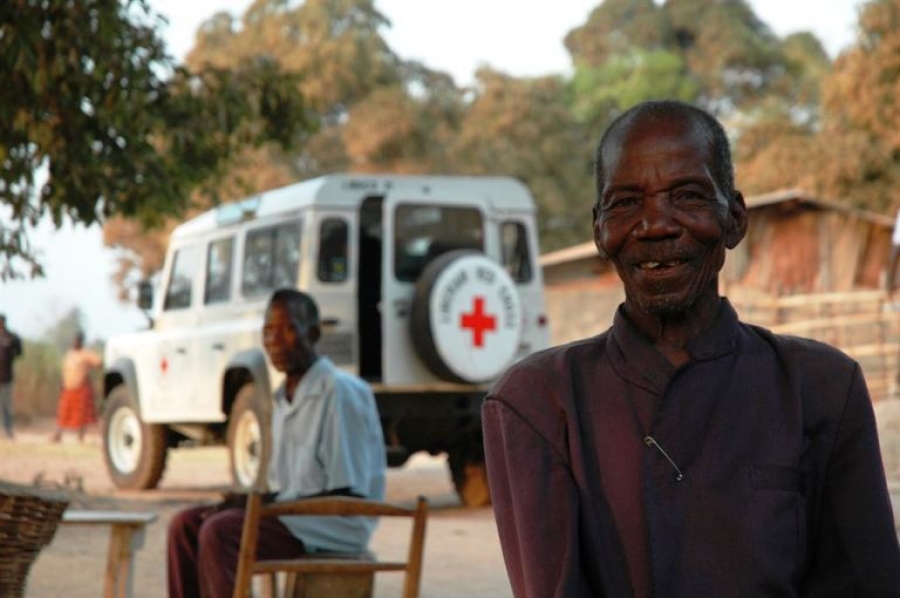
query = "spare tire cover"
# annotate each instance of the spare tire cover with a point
(466, 317)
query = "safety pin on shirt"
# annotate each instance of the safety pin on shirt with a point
(651, 442)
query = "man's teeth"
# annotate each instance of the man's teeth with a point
(655, 265)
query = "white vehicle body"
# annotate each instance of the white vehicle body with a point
(428, 287)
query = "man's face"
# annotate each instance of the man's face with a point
(661, 219)
(289, 344)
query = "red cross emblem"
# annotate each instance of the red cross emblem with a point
(478, 322)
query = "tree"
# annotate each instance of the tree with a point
(97, 121)
(860, 134)
(627, 78)
(375, 111)
(717, 54)
(524, 128)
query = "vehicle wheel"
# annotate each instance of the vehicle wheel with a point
(466, 317)
(134, 451)
(249, 440)
(470, 480)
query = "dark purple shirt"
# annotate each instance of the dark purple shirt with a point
(783, 491)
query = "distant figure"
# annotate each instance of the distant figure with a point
(76, 402)
(895, 256)
(326, 440)
(10, 348)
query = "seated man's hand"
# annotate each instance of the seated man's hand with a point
(235, 500)
(229, 500)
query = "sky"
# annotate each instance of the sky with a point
(521, 38)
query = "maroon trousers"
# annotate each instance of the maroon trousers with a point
(203, 548)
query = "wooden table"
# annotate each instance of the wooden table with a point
(125, 538)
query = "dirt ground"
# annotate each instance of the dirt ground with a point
(462, 552)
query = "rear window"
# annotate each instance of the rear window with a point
(515, 251)
(423, 232)
(271, 259)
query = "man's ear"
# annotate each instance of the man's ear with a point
(737, 221)
(313, 333)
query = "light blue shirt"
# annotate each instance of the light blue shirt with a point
(328, 438)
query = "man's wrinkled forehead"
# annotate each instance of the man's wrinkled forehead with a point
(619, 137)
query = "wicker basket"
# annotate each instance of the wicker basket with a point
(28, 521)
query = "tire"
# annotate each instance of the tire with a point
(470, 480)
(249, 440)
(134, 451)
(465, 458)
(466, 317)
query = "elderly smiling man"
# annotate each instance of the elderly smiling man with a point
(683, 452)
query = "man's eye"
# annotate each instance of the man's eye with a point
(626, 201)
(689, 195)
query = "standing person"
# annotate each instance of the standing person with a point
(76, 409)
(326, 440)
(683, 452)
(10, 349)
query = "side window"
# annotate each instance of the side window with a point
(514, 249)
(333, 238)
(421, 233)
(179, 291)
(271, 259)
(219, 258)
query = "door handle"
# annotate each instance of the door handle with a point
(181, 350)
(329, 322)
(218, 347)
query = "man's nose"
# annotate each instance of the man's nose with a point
(657, 218)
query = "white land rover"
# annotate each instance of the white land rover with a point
(428, 287)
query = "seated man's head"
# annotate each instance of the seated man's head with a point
(666, 207)
(290, 331)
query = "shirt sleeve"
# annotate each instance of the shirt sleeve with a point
(535, 503)
(857, 546)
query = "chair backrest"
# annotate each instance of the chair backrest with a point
(338, 506)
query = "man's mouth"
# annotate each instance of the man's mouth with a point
(653, 265)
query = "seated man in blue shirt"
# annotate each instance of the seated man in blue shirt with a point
(326, 440)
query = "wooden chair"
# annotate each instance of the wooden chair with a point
(335, 575)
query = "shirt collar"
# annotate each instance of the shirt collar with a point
(310, 385)
(637, 360)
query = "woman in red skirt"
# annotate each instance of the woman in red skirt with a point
(76, 402)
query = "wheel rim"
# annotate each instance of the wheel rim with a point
(124, 440)
(247, 449)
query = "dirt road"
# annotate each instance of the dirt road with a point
(462, 554)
